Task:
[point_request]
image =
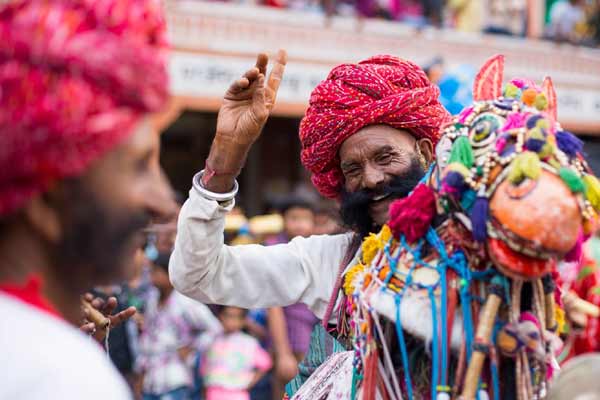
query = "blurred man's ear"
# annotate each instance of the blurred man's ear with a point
(43, 217)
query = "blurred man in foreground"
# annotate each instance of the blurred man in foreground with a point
(79, 179)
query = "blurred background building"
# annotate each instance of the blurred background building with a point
(215, 41)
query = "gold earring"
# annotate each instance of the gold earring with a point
(421, 157)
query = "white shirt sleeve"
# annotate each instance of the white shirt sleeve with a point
(251, 276)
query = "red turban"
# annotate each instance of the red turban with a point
(381, 90)
(75, 77)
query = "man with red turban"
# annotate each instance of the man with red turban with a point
(367, 139)
(79, 179)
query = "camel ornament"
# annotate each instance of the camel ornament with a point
(467, 264)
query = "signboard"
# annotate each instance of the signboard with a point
(214, 43)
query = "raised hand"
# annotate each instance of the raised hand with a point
(246, 107)
(248, 102)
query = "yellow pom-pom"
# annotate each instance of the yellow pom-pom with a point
(385, 234)
(592, 191)
(350, 278)
(541, 102)
(511, 91)
(525, 165)
(529, 96)
(370, 247)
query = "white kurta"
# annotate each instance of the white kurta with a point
(251, 276)
(43, 357)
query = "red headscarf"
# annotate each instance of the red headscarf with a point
(381, 90)
(75, 77)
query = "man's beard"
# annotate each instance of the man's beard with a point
(354, 207)
(97, 240)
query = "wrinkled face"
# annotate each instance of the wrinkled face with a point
(103, 211)
(298, 221)
(504, 168)
(380, 164)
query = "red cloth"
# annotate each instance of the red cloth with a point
(30, 293)
(75, 77)
(381, 90)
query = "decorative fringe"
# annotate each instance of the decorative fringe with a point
(479, 218)
(369, 385)
(525, 165)
(592, 190)
(568, 143)
(571, 179)
(462, 152)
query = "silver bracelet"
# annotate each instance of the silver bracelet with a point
(207, 194)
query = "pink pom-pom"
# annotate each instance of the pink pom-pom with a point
(412, 215)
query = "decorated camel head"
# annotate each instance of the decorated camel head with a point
(466, 262)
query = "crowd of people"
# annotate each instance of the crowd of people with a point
(573, 21)
(175, 348)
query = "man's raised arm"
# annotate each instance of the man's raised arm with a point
(250, 276)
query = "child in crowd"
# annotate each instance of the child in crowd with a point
(235, 361)
(172, 329)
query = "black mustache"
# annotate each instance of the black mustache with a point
(354, 208)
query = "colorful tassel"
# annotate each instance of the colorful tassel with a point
(525, 165)
(568, 143)
(468, 199)
(479, 217)
(462, 152)
(592, 191)
(571, 179)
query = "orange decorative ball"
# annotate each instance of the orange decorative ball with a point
(528, 96)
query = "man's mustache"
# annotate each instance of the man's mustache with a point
(398, 187)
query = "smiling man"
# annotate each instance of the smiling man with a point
(79, 179)
(367, 139)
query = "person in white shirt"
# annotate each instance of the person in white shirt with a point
(79, 180)
(367, 139)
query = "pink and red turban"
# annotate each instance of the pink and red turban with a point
(381, 90)
(75, 77)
